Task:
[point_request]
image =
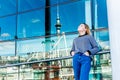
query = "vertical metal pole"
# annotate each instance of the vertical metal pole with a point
(93, 15)
(17, 38)
(16, 27)
(47, 19)
(93, 25)
(47, 34)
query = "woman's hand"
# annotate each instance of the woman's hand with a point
(72, 53)
(87, 53)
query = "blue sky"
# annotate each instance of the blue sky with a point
(33, 23)
(30, 24)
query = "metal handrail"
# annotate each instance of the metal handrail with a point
(60, 58)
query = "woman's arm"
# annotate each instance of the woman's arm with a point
(94, 45)
(73, 49)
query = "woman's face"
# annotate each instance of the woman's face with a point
(81, 28)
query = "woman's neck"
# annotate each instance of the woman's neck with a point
(82, 33)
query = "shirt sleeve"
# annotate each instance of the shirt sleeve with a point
(73, 47)
(94, 45)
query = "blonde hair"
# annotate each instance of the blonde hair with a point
(87, 29)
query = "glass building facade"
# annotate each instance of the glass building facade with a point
(36, 38)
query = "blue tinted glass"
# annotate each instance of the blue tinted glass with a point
(102, 38)
(71, 15)
(102, 13)
(31, 24)
(7, 7)
(7, 48)
(7, 27)
(30, 46)
(103, 35)
(53, 2)
(24, 5)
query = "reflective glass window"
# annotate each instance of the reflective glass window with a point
(7, 27)
(54, 2)
(7, 48)
(102, 38)
(71, 15)
(102, 13)
(24, 5)
(7, 7)
(99, 13)
(31, 24)
(30, 46)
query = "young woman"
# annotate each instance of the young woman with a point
(84, 46)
